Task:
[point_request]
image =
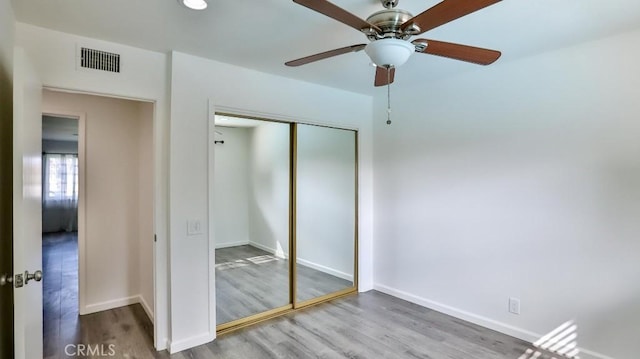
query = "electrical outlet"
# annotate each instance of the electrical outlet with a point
(514, 305)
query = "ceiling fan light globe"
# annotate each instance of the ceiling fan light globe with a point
(389, 52)
(194, 4)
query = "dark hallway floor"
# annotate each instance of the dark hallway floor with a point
(59, 290)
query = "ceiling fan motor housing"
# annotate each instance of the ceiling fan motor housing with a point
(390, 22)
(389, 4)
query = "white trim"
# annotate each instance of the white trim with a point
(281, 255)
(211, 243)
(504, 328)
(160, 252)
(591, 354)
(232, 244)
(117, 303)
(282, 118)
(146, 308)
(109, 304)
(188, 343)
(100, 94)
(325, 269)
(304, 262)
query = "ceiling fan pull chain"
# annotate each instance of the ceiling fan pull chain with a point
(388, 94)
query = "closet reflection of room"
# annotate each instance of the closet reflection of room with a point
(251, 195)
(325, 211)
(282, 191)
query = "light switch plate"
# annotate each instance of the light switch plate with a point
(194, 227)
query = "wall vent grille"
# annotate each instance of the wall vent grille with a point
(99, 60)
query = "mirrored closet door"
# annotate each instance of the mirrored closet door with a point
(285, 217)
(325, 211)
(251, 196)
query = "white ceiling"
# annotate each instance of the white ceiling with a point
(263, 34)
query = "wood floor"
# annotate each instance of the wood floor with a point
(250, 280)
(369, 325)
(59, 290)
(128, 327)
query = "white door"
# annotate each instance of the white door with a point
(27, 206)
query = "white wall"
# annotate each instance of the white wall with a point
(256, 211)
(519, 179)
(269, 187)
(231, 192)
(117, 178)
(57, 146)
(193, 81)
(326, 166)
(144, 76)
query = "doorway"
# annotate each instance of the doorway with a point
(101, 266)
(60, 193)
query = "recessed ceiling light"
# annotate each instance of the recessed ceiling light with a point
(223, 119)
(194, 4)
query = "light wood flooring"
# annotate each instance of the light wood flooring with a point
(250, 280)
(369, 325)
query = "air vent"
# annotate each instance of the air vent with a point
(99, 60)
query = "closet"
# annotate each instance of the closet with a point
(285, 217)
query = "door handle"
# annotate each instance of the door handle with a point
(20, 280)
(37, 276)
(6, 279)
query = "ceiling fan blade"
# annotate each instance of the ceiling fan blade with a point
(326, 54)
(444, 12)
(466, 53)
(335, 12)
(381, 76)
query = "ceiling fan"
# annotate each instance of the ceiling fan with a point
(389, 31)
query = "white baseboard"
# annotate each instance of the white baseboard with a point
(146, 308)
(304, 262)
(281, 255)
(117, 303)
(504, 328)
(188, 343)
(110, 304)
(588, 354)
(231, 244)
(325, 269)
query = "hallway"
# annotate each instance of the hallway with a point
(128, 326)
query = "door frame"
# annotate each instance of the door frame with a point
(82, 228)
(160, 316)
(294, 305)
